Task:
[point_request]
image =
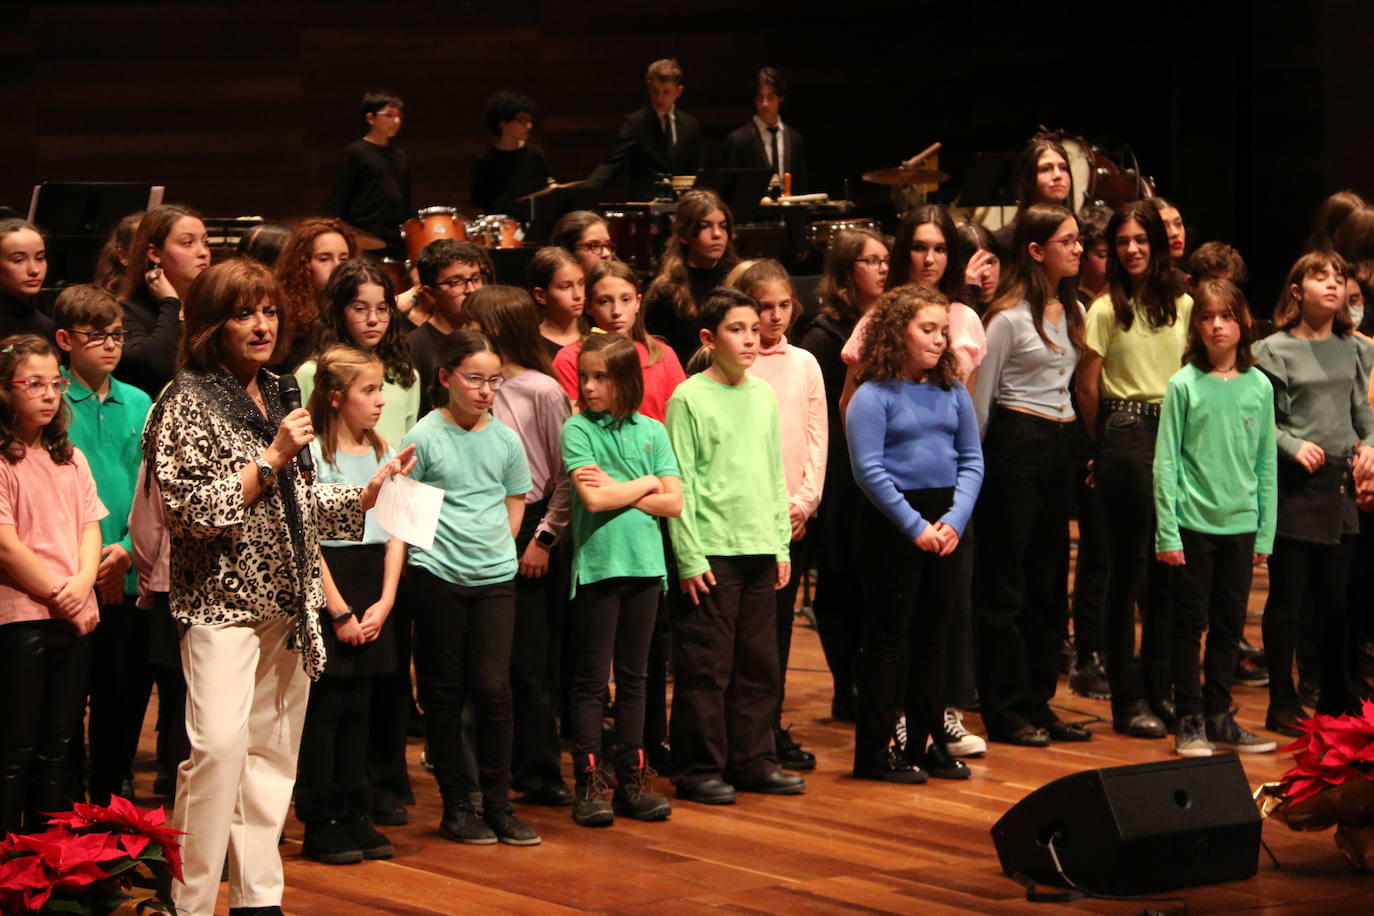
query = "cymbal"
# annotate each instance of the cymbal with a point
(901, 176)
(366, 240)
(550, 188)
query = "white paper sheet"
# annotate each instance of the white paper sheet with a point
(409, 510)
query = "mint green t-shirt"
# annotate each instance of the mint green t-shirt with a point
(625, 541)
(1216, 465)
(734, 491)
(477, 471)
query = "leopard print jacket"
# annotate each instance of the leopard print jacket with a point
(229, 562)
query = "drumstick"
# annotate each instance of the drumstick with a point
(929, 151)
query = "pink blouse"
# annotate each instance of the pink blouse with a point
(795, 377)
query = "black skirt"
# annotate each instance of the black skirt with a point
(357, 573)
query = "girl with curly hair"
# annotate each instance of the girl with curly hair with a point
(312, 252)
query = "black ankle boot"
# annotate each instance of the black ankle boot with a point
(591, 807)
(634, 788)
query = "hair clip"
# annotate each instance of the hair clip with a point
(8, 349)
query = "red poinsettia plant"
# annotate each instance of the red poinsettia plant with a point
(92, 860)
(1331, 783)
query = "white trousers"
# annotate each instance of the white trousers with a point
(245, 706)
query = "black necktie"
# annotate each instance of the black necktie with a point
(777, 151)
(668, 133)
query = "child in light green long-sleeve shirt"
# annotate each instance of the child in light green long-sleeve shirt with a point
(1215, 508)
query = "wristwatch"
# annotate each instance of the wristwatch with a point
(348, 612)
(265, 472)
(546, 538)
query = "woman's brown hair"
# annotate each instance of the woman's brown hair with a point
(1025, 278)
(622, 365)
(510, 319)
(299, 295)
(336, 369)
(215, 295)
(14, 350)
(116, 253)
(567, 232)
(887, 353)
(1288, 310)
(672, 282)
(637, 332)
(834, 290)
(1156, 296)
(153, 230)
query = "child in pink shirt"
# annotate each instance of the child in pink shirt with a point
(49, 554)
(613, 305)
(795, 377)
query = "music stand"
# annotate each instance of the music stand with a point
(78, 216)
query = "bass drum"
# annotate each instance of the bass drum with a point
(429, 225)
(632, 234)
(825, 231)
(1097, 177)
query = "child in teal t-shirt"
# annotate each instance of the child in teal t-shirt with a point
(624, 474)
(462, 587)
(1215, 496)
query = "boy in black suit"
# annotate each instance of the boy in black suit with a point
(658, 139)
(758, 143)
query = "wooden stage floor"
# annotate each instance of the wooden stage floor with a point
(844, 846)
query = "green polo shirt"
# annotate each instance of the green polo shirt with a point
(625, 541)
(108, 432)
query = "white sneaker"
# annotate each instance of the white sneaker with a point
(959, 741)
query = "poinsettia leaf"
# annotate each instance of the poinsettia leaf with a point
(65, 906)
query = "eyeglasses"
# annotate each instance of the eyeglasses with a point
(1068, 241)
(475, 382)
(36, 388)
(98, 338)
(874, 262)
(453, 284)
(364, 312)
(596, 247)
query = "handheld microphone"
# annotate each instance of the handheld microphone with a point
(291, 400)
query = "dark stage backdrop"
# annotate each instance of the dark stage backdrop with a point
(1245, 115)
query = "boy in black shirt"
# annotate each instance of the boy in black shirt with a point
(372, 190)
(511, 166)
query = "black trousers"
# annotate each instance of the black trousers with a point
(725, 670)
(43, 667)
(1125, 479)
(538, 602)
(785, 599)
(1019, 592)
(332, 783)
(121, 682)
(612, 622)
(1297, 570)
(837, 602)
(389, 712)
(1209, 592)
(1092, 568)
(909, 595)
(462, 648)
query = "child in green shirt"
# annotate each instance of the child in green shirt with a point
(1215, 495)
(733, 543)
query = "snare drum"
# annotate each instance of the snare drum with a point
(429, 225)
(632, 233)
(825, 231)
(495, 230)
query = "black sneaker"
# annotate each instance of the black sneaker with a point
(634, 790)
(330, 843)
(165, 783)
(387, 815)
(1309, 694)
(461, 825)
(510, 830)
(1225, 732)
(372, 843)
(891, 766)
(1088, 678)
(1251, 673)
(791, 755)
